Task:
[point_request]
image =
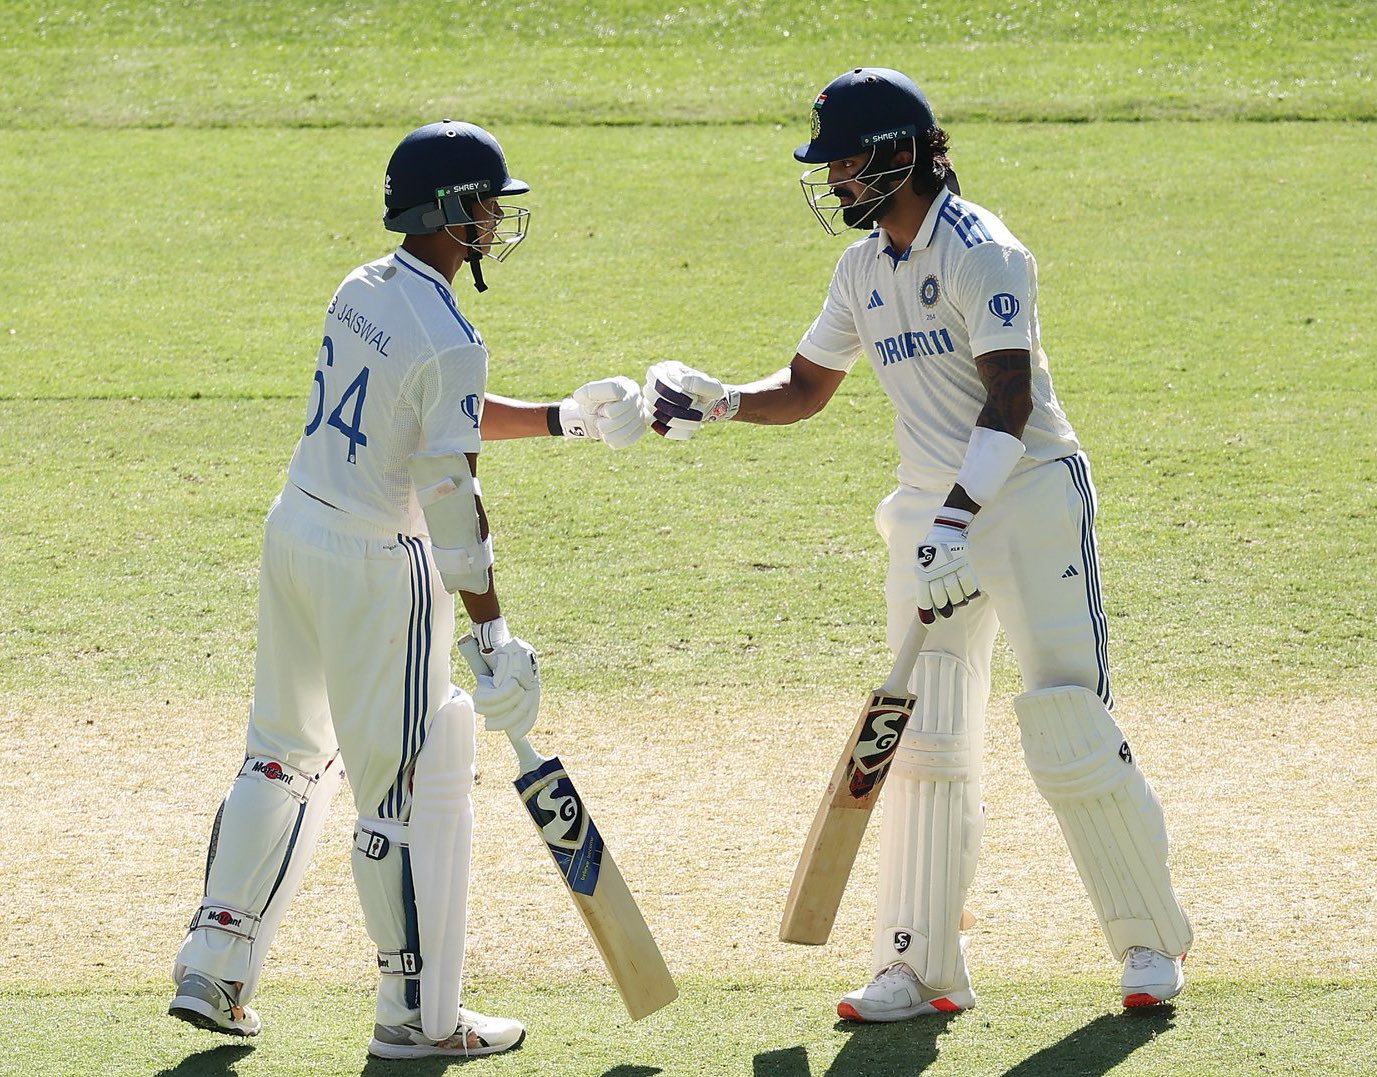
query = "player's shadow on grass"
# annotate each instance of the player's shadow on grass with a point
(907, 1048)
(218, 1061)
(1098, 1047)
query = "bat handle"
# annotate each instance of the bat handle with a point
(527, 757)
(905, 658)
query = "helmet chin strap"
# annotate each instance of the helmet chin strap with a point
(475, 258)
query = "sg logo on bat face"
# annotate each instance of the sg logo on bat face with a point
(878, 742)
(555, 806)
(570, 835)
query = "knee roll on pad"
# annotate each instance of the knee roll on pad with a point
(930, 833)
(264, 835)
(1112, 820)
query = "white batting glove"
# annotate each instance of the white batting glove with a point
(679, 400)
(608, 411)
(945, 577)
(509, 699)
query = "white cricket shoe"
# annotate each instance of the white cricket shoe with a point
(213, 1004)
(897, 994)
(476, 1035)
(1151, 977)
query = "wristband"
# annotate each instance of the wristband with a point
(990, 459)
(492, 634)
(956, 519)
(725, 408)
(571, 419)
(552, 422)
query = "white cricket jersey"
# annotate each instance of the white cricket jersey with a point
(400, 370)
(965, 287)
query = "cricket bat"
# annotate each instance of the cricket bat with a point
(830, 851)
(600, 893)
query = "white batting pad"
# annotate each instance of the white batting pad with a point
(1109, 815)
(441, 840)
(930, 833)
(265, 833)
(412, 879)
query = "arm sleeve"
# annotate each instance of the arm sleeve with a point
(451, 397)
(832, 341)
(995, 293)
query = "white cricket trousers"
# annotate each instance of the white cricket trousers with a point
(1033, 552)
(355, 630)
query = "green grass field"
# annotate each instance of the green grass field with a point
(185, 184)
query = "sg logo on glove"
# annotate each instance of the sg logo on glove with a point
(926, 554)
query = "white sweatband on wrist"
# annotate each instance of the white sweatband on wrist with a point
(990, 459)
(492, 634)
(726, 408)
(572, 420)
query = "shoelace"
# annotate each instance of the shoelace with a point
(1140, 958)
(896, 972)
(460, 1039)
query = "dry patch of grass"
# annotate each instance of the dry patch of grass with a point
(1269, 804)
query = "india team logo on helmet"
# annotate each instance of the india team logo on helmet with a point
(817, 115)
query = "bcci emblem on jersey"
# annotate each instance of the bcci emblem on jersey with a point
(1005, 307)
(930, 291)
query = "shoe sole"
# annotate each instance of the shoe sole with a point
(379, 1049)
(196, 1012)
(848, 1012)
(1139, 999)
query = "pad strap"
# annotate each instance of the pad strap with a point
(295, 783)
(399, 963)
(378, 837)
(217, 916)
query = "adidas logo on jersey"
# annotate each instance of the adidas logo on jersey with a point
(875, 301)
(1070, 571)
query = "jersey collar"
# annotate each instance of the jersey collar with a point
(885, 246)
(411, 262)
(924, 237)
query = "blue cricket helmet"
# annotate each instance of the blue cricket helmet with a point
(435, 169)
(863, 107)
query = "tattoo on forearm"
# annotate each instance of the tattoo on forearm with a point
(1007, 377)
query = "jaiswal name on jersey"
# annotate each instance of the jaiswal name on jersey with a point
(964, 288)
(400, 369)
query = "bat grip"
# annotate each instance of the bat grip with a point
(905, 658)
(526, 756)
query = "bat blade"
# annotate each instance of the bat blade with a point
(830, 850)
(599, 891)
(584, 862)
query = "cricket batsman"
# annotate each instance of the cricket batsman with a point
(994, 498)
(379, 524)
